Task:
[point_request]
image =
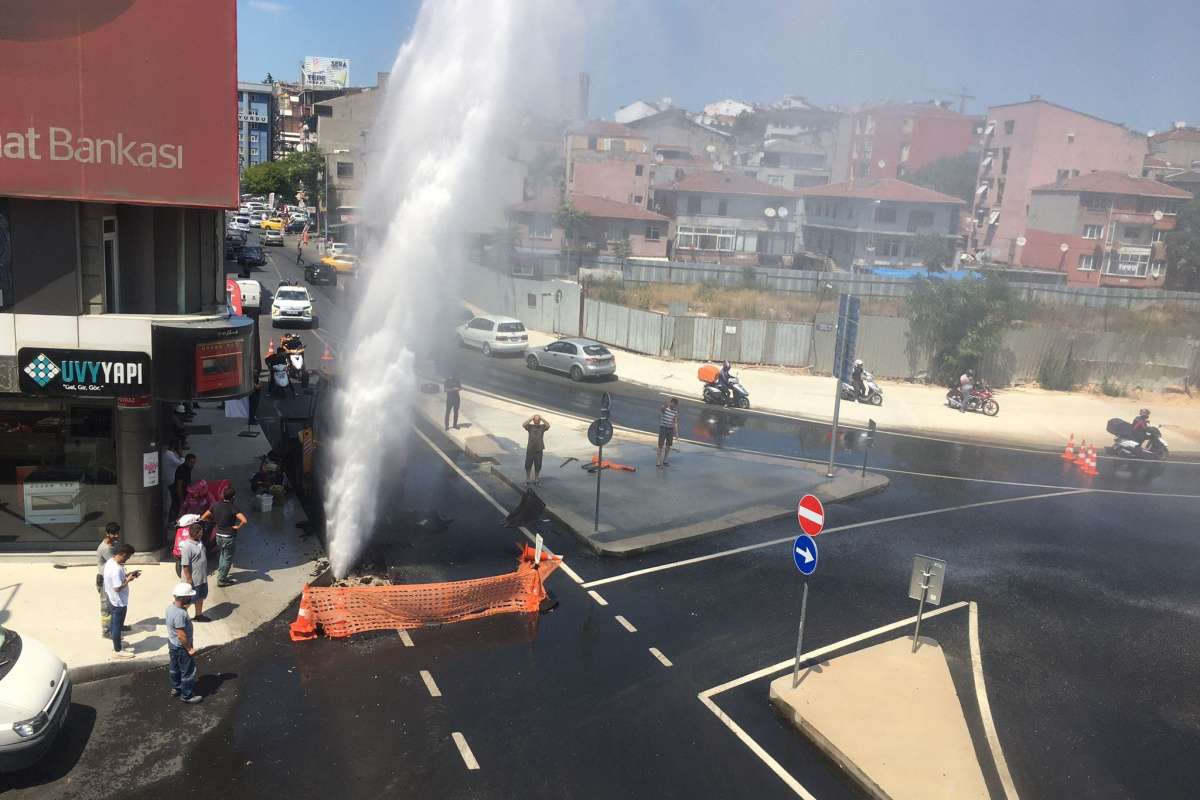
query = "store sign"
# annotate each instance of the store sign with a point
(83, 373)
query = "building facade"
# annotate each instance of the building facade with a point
(1035, 143)
(674, 128)
(113, 306)
(608, 160)
(256, 123)
(1102, 229)
(344, 126)
(878, 222)
(608, 227)
(1178, 147)
(895, 141)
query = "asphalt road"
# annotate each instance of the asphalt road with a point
(1087, 617)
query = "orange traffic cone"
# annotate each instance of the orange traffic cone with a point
(1069, 450)
(1090, 469)
(270, 347)
(1081, 459)
(327, 355)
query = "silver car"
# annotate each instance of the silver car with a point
(579, 358)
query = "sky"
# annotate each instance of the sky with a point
(1124, 62)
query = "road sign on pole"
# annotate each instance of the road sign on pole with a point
(810, 513)
(868, 444)
(925, 585)
(843, 362)
(804, 553)
(800, 637)
(600, 432)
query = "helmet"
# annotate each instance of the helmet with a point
(726, 365)
(184, 590)
(1145, 412)
(858, 362)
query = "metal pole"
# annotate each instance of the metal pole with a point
(866, 451)
(921, 608)
(800, 637)
(837, 408)
(537, 550)
(599, 472)
(327, 197)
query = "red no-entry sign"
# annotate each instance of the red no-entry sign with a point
(811, 515)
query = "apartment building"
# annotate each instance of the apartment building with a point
(896, 140)
(608, 160)
(256, 122)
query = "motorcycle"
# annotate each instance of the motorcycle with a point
(873, 396)
(270, 472)
(738, 396)
(982, 400)
(1148, 445)
(293, 345)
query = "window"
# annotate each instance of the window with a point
(1087, 263)
(653, 233)
(722, 207)
(591, 143)
(1070, 138)
(480, 324)
(638, 169)
(531, 300)
(904, 150)
(885, 213)
(693, 204)
(1062, 175)
(541, 227)
(698, 238)
(918, 220)
(510, 327)
(637, 199)
(1129, 265)
(112, 274)
(1157, 268)
(616, 145)
(1004, 153)
(1132, 233)
(1092, 231)
(345, 169)
(1000, 182)
(1156, 236)
(775, 180)
(1009, 125)
(887, 247)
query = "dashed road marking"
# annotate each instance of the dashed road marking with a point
(434, 691)
(595, 596)
(464, 750)
(666, 662)
(404, 637)
(626, 624)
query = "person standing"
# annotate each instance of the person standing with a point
(181, 646)
(668, 428)
(537, 427)
(299, 253)
(193, 560)
(453, 387)
(179, 486)
(116, 587)
(228, 521)
(112, 533)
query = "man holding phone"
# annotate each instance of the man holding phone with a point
(116, 588)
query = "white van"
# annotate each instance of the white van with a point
(35, 694)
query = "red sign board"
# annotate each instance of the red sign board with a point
(811, 515)
(233, 293)
(130, 101)
(218, 366)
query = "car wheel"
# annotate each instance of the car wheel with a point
(487, 349)
(576, 373)
(531, 361)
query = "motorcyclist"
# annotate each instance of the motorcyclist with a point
(966, 383)
(1139, 424)
(725, 382)
(856, 377)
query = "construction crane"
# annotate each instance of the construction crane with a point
(961, 94)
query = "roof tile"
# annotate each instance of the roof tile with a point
(888, 189)
(1114, 183)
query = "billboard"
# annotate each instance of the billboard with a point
(120, 101)
(319, 72)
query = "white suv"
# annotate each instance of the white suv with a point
(292, 304)
(35, 693)
(494, 335)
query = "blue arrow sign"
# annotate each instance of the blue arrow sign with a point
(804, 551)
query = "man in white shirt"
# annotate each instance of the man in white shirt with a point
(116, 588)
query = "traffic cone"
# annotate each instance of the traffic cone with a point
(1091, 462)
(1081, 460)
(270, 348)
(1069, 450)
(327, 355)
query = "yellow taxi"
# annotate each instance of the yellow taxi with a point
(343, 262)
(272, 224)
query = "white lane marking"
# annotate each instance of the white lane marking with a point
(464, 750)
(595, 596)
(404, 637)
(829, 648)
(666, 662)
(626, 624)
(474, 485)
(755, 748)
(985, 708)
(789, 539)
(810, 515)
(434, 691)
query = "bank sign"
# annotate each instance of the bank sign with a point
(83, 373)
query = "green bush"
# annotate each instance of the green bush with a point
(1057, 374)
(960, 322)
(1112, 389)
(608, 290)
(749, 278)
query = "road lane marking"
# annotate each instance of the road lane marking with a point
(666, 662)
(434, 691)
(595, 596)
(404, 637)
(985, 708)
(789, 539)
(757, 749)
(626, 624)
(562, 564)
(464, 750)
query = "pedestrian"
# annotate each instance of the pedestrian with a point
(299, 254)
(181, 646)
(277, 365)
(537, 427)
(112, 533)
(179, 486)
(193, 560)
(228, 521)
(116, 587)
(453, 388)
(668, 429)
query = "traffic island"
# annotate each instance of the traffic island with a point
(704, 490)
(891, 718)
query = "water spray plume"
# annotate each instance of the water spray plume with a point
(456, 96)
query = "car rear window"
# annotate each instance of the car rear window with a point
(291, 294)
(595, 349)
(511, 327)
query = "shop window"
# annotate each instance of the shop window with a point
(345, 169)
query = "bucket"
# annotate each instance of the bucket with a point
(264, 502)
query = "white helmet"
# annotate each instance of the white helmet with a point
(184, 590)
(858, 362)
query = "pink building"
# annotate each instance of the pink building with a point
(608, 223)
(608, 160)
(1035, 143)
(897, 140)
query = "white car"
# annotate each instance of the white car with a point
(240, 223)
(337, 248)
(251, 291)
(35, 693)
(292, 304)
(494, 335)
(256, 219)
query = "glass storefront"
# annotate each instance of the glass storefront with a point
(58, 472)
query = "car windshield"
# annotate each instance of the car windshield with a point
(510, 327)
(595, 349)
(291, 294)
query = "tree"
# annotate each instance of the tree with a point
(622, 249)
(953, 176)
(1183, 250)
(960, 322)
(304, 167)
(572, 221)
(934, 250)
(265, 178)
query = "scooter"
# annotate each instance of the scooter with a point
(293, 345)
(874, 396)
(982, 400)
(270, 472)
(738, 397)
(1127, 443)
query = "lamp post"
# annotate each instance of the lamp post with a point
(335, 151)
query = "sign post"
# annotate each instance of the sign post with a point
(810, 513)
(870, 442)
(800, 636)
(843, 359)
(925, 585)
(600, 433)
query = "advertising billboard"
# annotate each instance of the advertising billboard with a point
(120, 101)
(320, 72)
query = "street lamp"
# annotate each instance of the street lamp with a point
(335, 151)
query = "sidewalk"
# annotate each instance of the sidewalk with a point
(58, 605)
(703, 492)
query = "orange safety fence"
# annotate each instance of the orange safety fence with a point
(341, 611)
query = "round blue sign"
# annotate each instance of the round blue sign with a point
(804, 551)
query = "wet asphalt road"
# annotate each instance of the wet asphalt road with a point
(1087, 602)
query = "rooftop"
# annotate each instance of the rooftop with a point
(1036, 99)
(727, 182)
(888, 189)
(598, 207)
(602, 127)
(1114, 183)
(1177, 135)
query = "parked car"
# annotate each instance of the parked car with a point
(346, 262)
(272, 224)
(35, 695)
(240, 223)
(274, 238)
(295, 226)
(579, 358)
(320, 274)
(252, 256)
(337, 248)
(257, 219)
(494, 335)
(251, 292)
(292, 304)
